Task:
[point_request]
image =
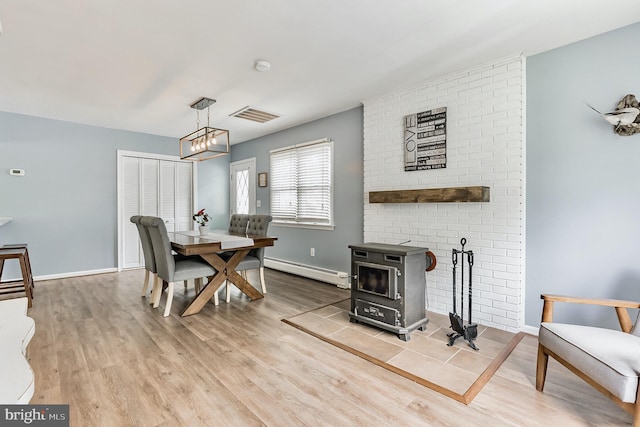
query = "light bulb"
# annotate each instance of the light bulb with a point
(193, 148)
(214, 141)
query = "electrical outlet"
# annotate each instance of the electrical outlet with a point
(312, 252)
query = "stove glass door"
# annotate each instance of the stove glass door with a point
(377, 279)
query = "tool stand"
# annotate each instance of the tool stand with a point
(468, 332)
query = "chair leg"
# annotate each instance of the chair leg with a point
(541, 369)
(186, 284)
(167, 307)
(216, 300)
(157, 292)
(264, 286)
(636, 409)
(198, 284)
(145, 285)
(228, 286)
(27, 278)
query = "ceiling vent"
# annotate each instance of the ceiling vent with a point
(255, 115)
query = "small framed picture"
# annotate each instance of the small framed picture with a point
(262, 179)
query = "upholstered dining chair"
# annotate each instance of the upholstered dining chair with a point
(238, 223)
(169, 268)
(607, 359)
(147, 251)
(258, 225)
(149, 258)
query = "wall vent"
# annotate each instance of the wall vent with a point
(255, 115)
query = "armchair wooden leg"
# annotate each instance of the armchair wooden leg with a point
(186, 284)
(541, 369)
(636, 410)
(264, 287)
(167, 307)
(198, 284)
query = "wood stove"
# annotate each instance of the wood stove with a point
(388, 287)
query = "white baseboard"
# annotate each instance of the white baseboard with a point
(74, 274)
(338, 278)
(529, 330)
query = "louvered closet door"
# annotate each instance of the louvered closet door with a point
(149, 189)
(184, 197)
(130, 206)
(168, 193)
(153, 187)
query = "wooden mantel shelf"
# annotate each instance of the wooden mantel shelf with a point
(431, 195)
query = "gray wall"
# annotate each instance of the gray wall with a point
(583, 230)
(345, 129)
(65, 205)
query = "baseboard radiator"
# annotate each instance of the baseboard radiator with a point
(338, 278)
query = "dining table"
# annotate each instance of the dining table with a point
(210, 247)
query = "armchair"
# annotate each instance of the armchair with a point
(609, 360)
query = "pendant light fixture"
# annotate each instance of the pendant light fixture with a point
(206, 142)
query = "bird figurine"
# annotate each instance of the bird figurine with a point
(621, 117)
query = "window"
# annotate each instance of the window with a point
(301, 184)
(242, 191)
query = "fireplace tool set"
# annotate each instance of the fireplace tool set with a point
(468, 332)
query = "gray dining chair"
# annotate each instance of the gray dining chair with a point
(258, 225)
(238, 223)
(147, 252)
(169, 268)
(149, 258)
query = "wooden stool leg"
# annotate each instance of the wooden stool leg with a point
(28, 263)
(27, 280)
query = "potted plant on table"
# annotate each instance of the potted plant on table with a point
(202, 218)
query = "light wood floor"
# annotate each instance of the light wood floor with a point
(100, 348)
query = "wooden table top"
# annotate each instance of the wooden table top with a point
(194, 245)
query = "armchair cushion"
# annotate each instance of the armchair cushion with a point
(610, 357)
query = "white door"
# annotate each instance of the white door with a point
(155, 187)
(184, 190)
(131, 254)
(243, 187)
(168, 194)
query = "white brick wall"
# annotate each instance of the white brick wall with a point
(485, 146)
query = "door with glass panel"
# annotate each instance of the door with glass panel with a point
(243, 187)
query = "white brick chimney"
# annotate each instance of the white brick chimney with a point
(485, 147)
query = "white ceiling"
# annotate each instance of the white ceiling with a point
(139, 64)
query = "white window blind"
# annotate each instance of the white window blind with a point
(301, 178)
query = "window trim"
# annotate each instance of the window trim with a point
(308, 224)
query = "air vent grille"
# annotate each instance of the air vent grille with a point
(255, 115)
